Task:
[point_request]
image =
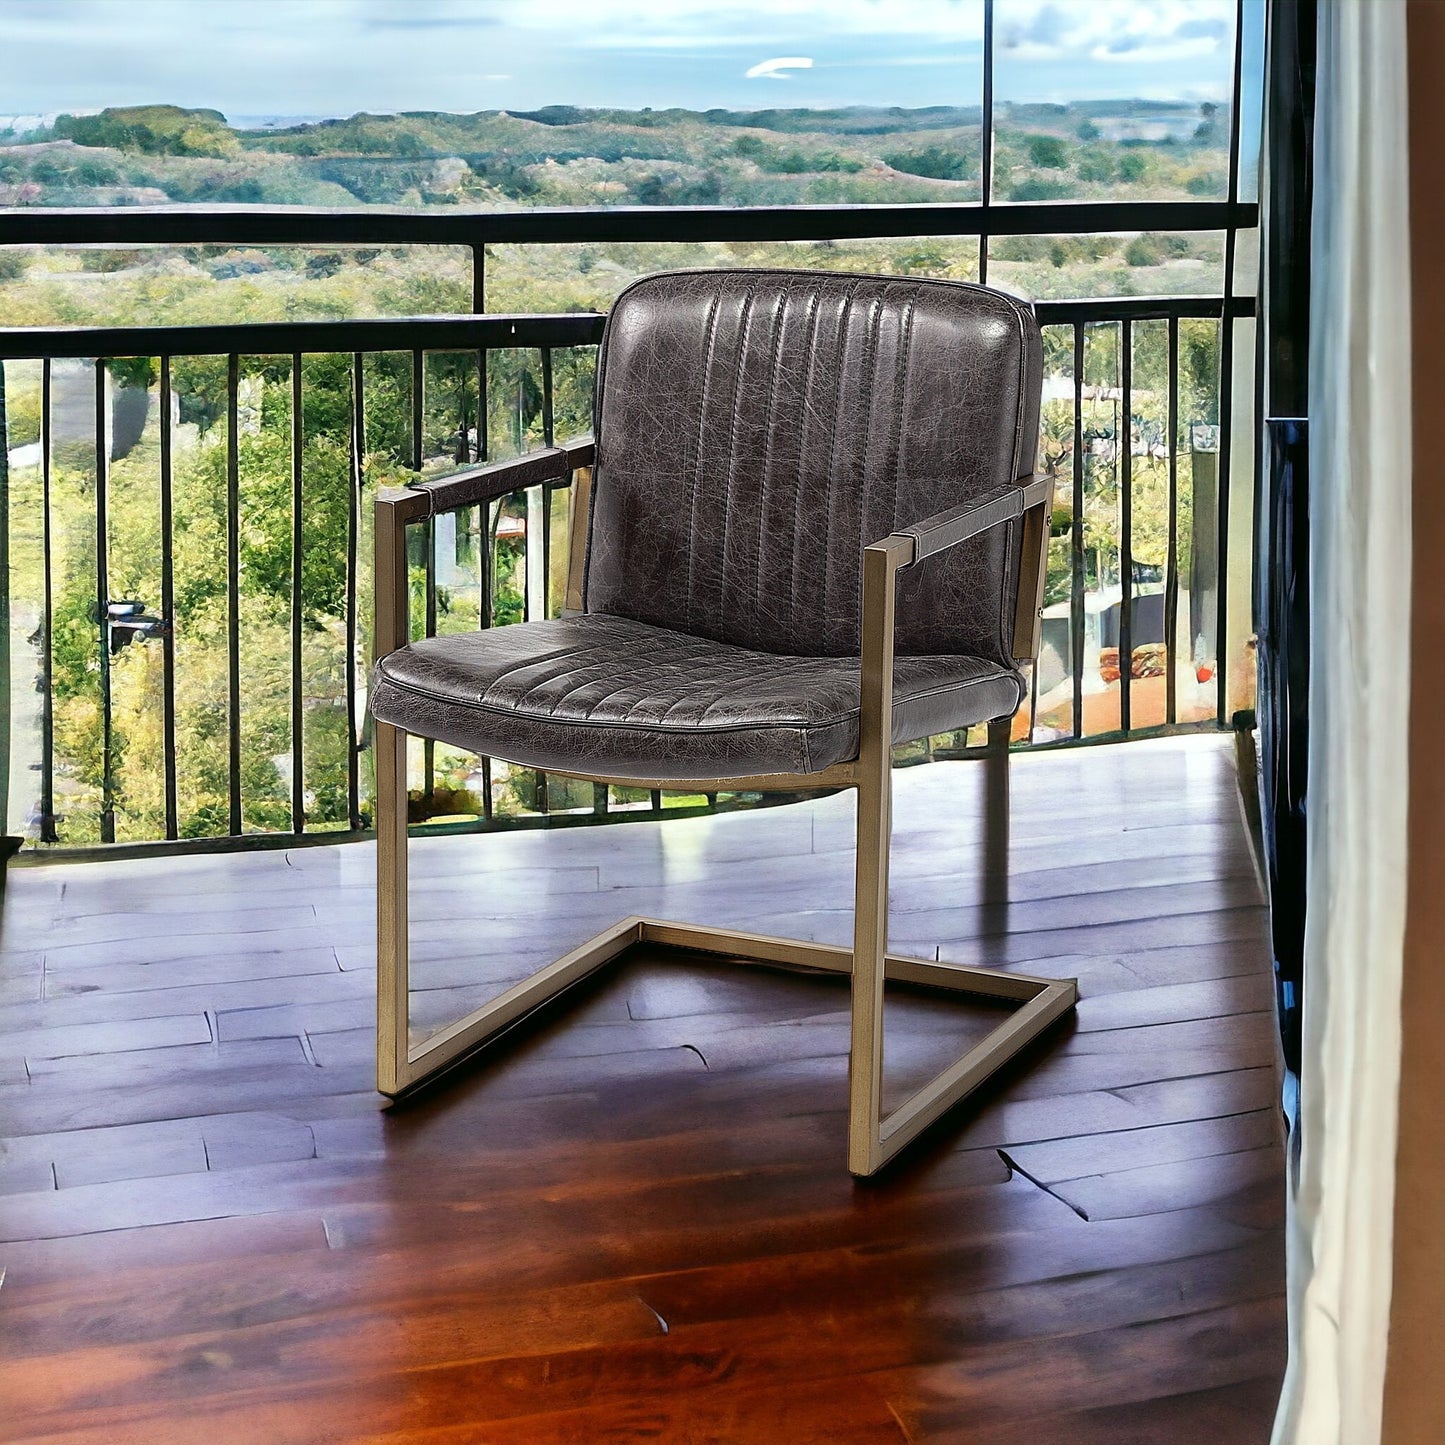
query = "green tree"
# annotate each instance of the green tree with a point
(1048, 152)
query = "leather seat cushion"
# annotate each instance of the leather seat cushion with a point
(611, 696)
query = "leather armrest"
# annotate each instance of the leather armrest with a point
(946, 529)
(479, 485)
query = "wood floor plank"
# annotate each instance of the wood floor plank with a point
(632, 1219)
(1212, 1349)
(1234, 1414)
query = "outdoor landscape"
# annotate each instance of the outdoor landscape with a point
(561, 156)
(558, 156)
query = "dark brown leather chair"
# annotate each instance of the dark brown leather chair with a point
(806, 531)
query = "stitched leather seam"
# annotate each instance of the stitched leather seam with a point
(477, 705)
(1022, 316)
(711, 333)
(677, 665)
(745, 318)
(870, 375)
(587, 722)
(814, 312)
(900, 395)
(780, 325)
(843, 327)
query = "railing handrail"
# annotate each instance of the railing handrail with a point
(469, 332)
(464, 332)
(267, 225)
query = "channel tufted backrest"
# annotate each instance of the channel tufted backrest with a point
(756, 429)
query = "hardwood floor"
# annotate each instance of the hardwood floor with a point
(634, 1221)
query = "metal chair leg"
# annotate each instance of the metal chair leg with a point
(870, 951)
(996, 812)
(393, 990)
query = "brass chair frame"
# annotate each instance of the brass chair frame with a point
(873, 1138)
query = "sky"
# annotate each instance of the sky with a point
(336, 57)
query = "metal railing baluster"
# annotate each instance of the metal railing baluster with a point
(1221, 509)
(298, 442)
(102, 600)
(168, 603)
(985, 136)
(6, 582)
(48, 830)
(539, 506)
(1076, 540)
(1171, 557)
(1124, 461)
(354, 660)
(429, 624)
(233, 587)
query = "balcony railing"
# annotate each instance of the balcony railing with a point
(189, 530)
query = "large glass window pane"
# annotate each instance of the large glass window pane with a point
(588, 277)
(688, 103)
(1122, 101)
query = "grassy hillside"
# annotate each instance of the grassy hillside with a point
(565, 155)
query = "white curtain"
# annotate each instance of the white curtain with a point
(1343, 1182)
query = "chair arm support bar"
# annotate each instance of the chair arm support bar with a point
(958, 524)
(479, 485)
(398, 506)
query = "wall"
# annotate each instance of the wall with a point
(1414, 1386)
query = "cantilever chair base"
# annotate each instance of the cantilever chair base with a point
(1041, 1002)
(873, 1139)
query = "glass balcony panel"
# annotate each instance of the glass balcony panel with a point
(329, 584)
(1058, 268)
(1198, 443)
(133, 560)
(199, 431)
(1239, 649)
(22, 472)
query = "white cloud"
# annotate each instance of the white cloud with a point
(778, 69)
(664, 23)
(1139, 32)
(1166, 53)
(332, 57)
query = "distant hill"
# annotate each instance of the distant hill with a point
(569, 155)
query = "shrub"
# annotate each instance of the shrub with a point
(1133, 167)
(1020, 248)
(94, 173)
(1144, 251)
(922, 260)
(937, 163)
(13, 264)
(1048, 152)
(1039, 188)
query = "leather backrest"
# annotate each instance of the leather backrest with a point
(756, 429)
